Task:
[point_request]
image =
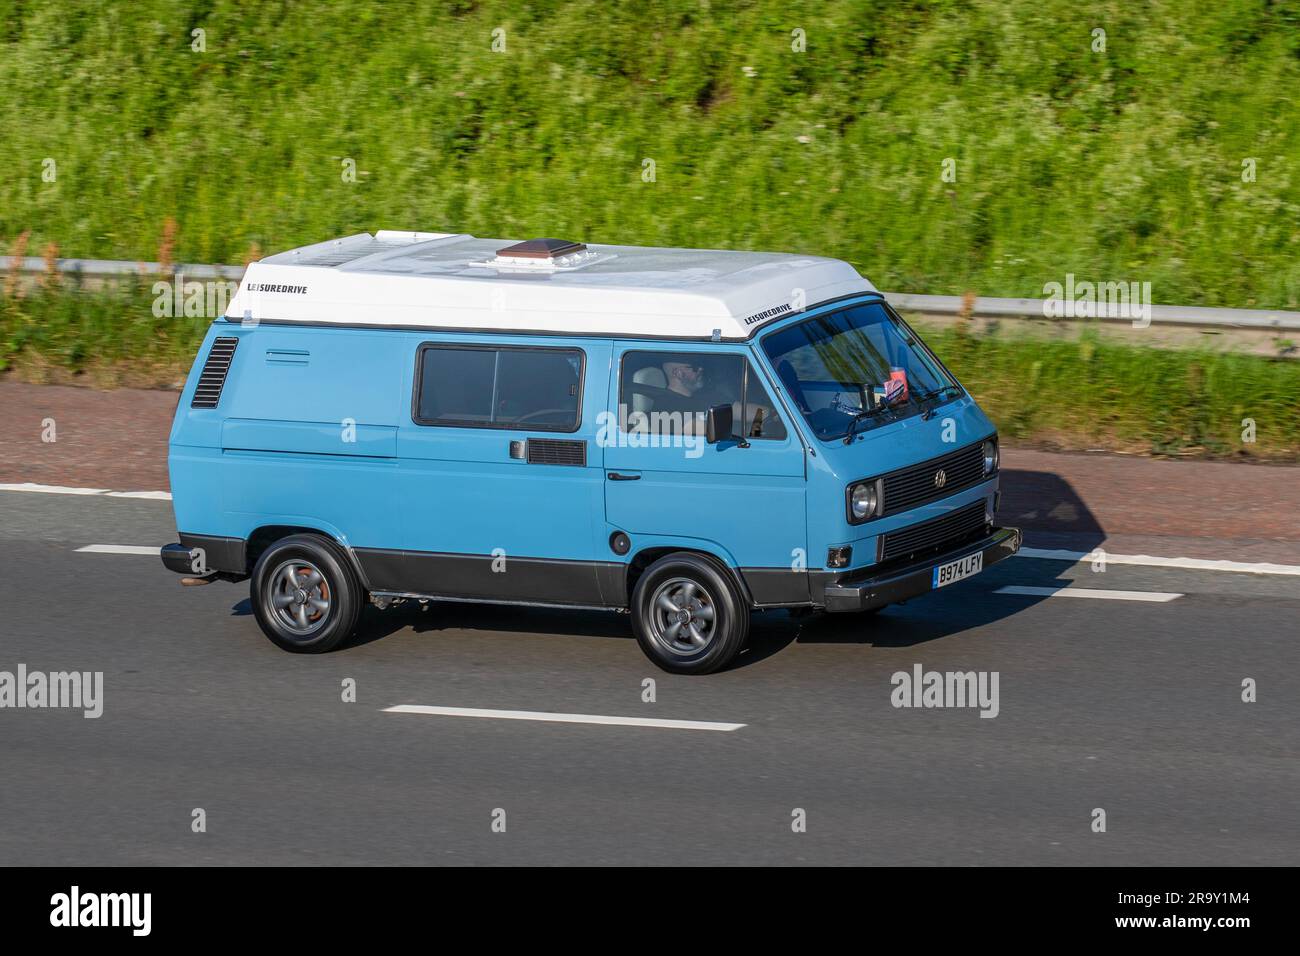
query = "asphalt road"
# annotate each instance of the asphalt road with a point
(1130, 706)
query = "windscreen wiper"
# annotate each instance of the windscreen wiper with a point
(922, 397)
(862, 416)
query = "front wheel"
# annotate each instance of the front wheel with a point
(304, 594)
(688, 615)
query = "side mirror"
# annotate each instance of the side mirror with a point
(718, 424)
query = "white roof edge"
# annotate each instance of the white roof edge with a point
(445, 281)
(289, 255)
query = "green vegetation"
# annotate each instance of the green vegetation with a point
(1098, 393)
(121, 141)
(58, 332)
(1085, 393)
(1122, 164)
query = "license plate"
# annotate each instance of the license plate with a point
(956, 570)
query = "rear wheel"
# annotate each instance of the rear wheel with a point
(688, 614)
(304, 594)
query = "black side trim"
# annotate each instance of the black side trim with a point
(219, 554)
(612, 579)
(489, 578)
(776, 587)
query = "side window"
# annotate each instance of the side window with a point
(669, 393)
(456, 386)
(482, 387)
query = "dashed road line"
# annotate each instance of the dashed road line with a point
(120, 549)
(1153, 561)
(66, 490)
(53, 489)
(1100, 594)
(547, 717)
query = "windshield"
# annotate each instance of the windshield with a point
(858, 367)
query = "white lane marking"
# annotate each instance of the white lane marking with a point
(53, 489)
(65, 490)
(562, 718)
(1150, 561)
(1099, 593)
(120, 549)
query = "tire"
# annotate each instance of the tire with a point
(711, 632)
(322, 610)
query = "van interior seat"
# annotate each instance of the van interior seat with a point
(652, 376)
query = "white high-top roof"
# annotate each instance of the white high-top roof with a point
(458, 282)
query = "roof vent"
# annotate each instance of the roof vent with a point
(542, 249)
(544, 255)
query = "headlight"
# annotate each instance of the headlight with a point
(862, 500)
(990, 456)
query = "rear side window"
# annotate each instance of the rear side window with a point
(538, 389)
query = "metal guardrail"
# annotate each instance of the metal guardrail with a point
(121, 267)
(1194, 315)
(1189, 315)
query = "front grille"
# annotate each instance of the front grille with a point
(932, 534)
(556, 451)
(213, 377)
(916, 484)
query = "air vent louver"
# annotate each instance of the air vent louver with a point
(213, 377)
(933, 534)
(557, 451)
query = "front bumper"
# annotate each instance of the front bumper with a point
(869, 588)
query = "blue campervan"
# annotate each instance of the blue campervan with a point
(685, 435)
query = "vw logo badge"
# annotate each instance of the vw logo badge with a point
(940, 478)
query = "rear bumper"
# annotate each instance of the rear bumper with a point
(202, 554)
(871, 588)
(177, 557)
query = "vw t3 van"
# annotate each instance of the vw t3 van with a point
(685, 435)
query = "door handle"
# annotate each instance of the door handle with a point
(615, 476)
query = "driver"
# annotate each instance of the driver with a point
(685, 379)
(687, 393)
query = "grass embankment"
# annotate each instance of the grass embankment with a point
(1117, 164)
(1169, 157)
(1086, 393)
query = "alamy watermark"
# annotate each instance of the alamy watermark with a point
(195, 300)
(922, 688)
(75, 909)
(1098, 300)
(76, 690)
(628, 428)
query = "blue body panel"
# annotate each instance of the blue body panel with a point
(744, 505)
(315, 429)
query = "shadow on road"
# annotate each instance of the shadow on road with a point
(497, 618)
(1044, 502)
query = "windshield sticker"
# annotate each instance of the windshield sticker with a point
(897, 384)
